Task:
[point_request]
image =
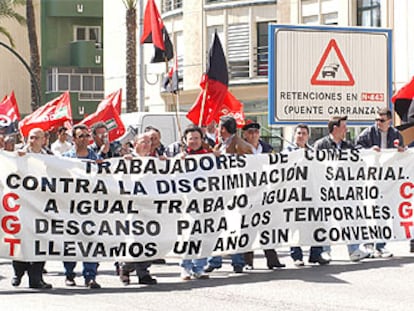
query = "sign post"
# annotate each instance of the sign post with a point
(317, 72)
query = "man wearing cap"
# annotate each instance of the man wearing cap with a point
(336, 140)
(230, 143)
(251, 134)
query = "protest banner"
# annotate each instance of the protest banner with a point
(141, 209)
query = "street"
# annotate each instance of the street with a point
(374, 284)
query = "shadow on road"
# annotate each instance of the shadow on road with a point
(225, 276)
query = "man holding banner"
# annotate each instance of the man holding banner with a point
(336, 140)
(230, 144)
(81, 136)
(380, 136)
(300, 140)
(34, 268)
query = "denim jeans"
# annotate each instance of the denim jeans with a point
(195, 266)
(352, 248)
(296, 253)
(236, 260)
(89, 270)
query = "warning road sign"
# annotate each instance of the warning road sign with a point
(328, 71)
(317, 72)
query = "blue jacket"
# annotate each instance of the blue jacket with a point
(371, 137)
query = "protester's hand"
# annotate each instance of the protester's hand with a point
(21, 153)
(216, 152)
(128, 156)
(105, 147)
(376, 148)
(162, 157)
(401, 149)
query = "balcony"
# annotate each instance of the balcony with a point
(74, 8)
(86, 54)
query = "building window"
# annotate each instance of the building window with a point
(262, 48)
(238, 50)
(170, 5)
(89, 83)
(316, 12)
(369, 13)
(88, 33)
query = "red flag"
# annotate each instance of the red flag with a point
(403, 102)
(107, 113)
(214, 84)
(233, 107)
(9, 114)
(48, 117)
(155, 32)
(115, 99)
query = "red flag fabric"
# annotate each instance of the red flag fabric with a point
(403, 101)
(9, 114)
(153, 25)
(406, 92)
(115, 99)
(155, 32)
(214, 84)
(107, 113)
(233, 107)
(49, 116)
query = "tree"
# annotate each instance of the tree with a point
(131, 57)
(34, 51)
(7, 10)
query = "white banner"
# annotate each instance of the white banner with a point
(67, 209)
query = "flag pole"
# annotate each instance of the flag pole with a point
(203, 103)
(176, 101)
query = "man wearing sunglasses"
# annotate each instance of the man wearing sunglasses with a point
(80, 150)
(380, 136)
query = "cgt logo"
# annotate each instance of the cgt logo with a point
(405, 209)
(10, 223)
(5, 121)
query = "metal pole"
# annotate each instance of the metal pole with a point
(28, 69)
(141, 96)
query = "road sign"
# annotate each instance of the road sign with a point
(317, 72)
(332, 69)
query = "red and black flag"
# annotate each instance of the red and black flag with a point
(171, 80)
(404, 106)
(404, 103)
(215, 100)
(155, 32)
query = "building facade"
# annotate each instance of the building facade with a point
(72, 53)
(70, 35)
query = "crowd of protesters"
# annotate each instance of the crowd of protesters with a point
(221, 139)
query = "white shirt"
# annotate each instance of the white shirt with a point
(59, 148)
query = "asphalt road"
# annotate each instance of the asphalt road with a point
(374, 284)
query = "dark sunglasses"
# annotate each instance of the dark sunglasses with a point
(381, 120)
(84, 136)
